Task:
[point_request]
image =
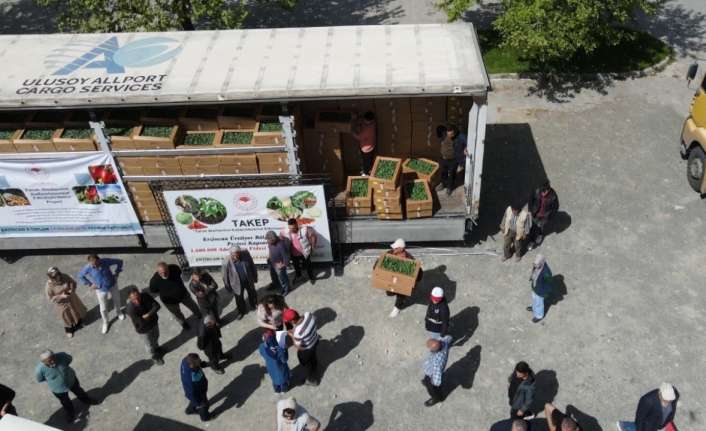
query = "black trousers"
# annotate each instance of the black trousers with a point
(448, 173)
(308, 360)
(240, 300)
(298, 262)
(189, 303)
(66, 401)
(366, 161)
(202, 410)
(435, 392)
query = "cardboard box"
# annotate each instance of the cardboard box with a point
(273, 168)
(237, 170)
(390, 216)
(358, 202)
(156, 142)
(226, 135)
(125, 116)
(428, 109)
(321, 153)
(265, 138)
(457, 109)
(81, 118)
(199, 118)
(418, 205)
(215, 139)
(380, 193)
(138, 187)
(72, 144)
(334, 121)
(424, 140)
(198, 165)
(350, 153)
(272, 158)
(24, 145)
(420, 214)
(393, 281)
(432, 178)
(132, 166)
(359, 211)
(386, 183)
(239, 160)
(396, 110)
(238, 117)
(120, 136)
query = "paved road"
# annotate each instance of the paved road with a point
(629, 254)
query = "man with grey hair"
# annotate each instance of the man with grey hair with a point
(519, 425)
(54, 369)
(240, 276)
(209, 341)
(278, 260)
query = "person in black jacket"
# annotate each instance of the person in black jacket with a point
(142, 309)
(437, 318)
(6, 397)
(203, 286)
(209, 341)
(168, 284)
(543, 204)
(656, 408)
(520, 392)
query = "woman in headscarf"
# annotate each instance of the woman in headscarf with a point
(276, 357)
(540, 280)
(269, 312)
(61, 291)
(293, 417)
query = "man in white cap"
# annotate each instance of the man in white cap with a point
(399, 248)
(436, 321)
(292, 416)
(655, 411)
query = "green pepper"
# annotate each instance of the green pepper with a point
(156, 131)
(385, 169)
(199, 138)
(391, 263)
(237, 138)
(420, 166)
(77, 133)
(359, 188)
(416, 191)
(38, 134)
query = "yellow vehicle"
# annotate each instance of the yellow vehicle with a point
(693, 140)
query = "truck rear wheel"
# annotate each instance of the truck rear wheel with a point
(695, 168)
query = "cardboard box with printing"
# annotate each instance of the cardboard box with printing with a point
(120, 136)
(358, 106)
(132, 166)
(395, 274)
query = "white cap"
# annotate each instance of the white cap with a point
(437, 292)
(399, 243)
(666, 392)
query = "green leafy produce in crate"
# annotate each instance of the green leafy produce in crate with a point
(420, 166)
(156, 131)
(399, 266)
(77, 133)
(199, 138)
(38, 134)
(416, 191)
(237, 138)
(385, 169)
(270, 126)
(359, 188)
(117, 131)
(6, 134)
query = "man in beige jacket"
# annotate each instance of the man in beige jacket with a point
(515, 227)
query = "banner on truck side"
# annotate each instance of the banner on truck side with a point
(210, 221)
(79, 195)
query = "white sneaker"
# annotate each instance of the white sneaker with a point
(395, 311)
(105, 328)
(121, 316)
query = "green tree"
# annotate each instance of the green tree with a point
(454, 8)
(552, 32)
(88, 16)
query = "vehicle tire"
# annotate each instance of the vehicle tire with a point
(695, 168)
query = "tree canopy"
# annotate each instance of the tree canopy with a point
(88, 16)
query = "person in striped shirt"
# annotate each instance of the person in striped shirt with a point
(303, 331)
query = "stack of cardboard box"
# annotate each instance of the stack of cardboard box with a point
(321, 153)
(387, 193)
(145, 203)
(395, 282)
(272, 163)
(152, 166)
(457, 109)
(359, 205)
(418, 208)
(394, 127)
(237, 164)
(427, 114)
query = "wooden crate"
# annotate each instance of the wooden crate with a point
(384, 183)
(433, 177)
(238, 117)
(358, 202)
(224, 136)
(24, 145)
(393, 281)
(156, 142)
(217, 135)
(122, 141)
(6, 145)
(418, 205)
(261, 138)
(70, 144)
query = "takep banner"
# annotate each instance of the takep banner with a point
(211, 221)
(78, 195)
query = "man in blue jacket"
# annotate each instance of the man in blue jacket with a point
(655, 411)
(61, 378)
(195, 386)
(99, 276)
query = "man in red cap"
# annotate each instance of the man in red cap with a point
(304, 333)
(437, 318)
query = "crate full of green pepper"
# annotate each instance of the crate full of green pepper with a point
(395, 274)
(418, 196)
(422, 168)
(386, 173)
(358, 193)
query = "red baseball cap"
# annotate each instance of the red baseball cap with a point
(289, 315)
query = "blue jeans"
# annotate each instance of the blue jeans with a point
(280, 279)
(626, 426)
(537, 306)
(434, 335)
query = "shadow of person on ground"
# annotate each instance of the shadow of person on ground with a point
(330, 351)
(558, 224)
(432, 278)
(150, 422)
(462, 372)
(351, 416)
(239, 390)
(546, 388)
(324, 315)
(557, 294)
(585, 421)
(246, 346)
(463, 324)
(119, 381)
(534, 425)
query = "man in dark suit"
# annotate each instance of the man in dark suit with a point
(655, 411)
(239, 277)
